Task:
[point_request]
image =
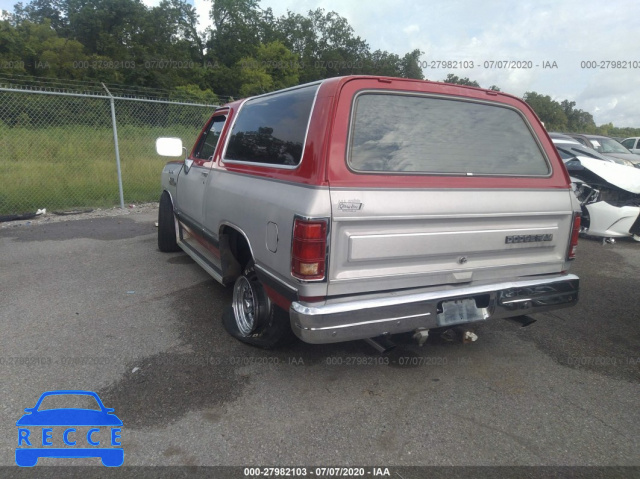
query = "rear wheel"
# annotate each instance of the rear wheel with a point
(166, 226)
(252, 318)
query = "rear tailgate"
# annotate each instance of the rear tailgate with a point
(412, 238)
(436, 184)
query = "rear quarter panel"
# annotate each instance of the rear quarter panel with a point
(252, 198)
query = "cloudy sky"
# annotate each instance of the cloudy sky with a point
(567, 32)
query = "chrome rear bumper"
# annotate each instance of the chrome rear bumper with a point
(348, 319)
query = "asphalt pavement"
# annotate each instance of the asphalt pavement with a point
(93, 305)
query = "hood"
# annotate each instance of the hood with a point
(623, 177)
(625, 156)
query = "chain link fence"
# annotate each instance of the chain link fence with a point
(58, 150)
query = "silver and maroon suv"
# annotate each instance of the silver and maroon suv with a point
(349, 209)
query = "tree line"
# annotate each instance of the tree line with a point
(245, 50)
(559, 116)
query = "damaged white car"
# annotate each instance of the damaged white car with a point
(610, 197)
(608, 190)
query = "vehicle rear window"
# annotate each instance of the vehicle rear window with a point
(272, 129)
(421, 134)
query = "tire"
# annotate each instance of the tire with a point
(166, 226)
(252, 318)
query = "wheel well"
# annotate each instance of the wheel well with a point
(235, 253)
(166, 192)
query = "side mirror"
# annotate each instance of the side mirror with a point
(169, 146)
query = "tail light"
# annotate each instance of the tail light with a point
(309, 249)
(575, 232)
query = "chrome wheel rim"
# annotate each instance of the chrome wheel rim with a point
(245, 305)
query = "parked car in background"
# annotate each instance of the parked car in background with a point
(569, 148)
(561, 136)
(607, 146)
(342, 210)
(609, 193)
(632, 144)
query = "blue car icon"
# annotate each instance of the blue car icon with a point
(70, 418)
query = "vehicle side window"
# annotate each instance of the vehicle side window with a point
(638, 145)
(207, 146)
(272, 129)
(628, 143)
(581, 140)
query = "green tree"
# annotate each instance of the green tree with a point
(43, 53)
(193, 93)
(336, 43)
(37, 11)
(236, 30)
(549, 111)
(325, 43)
(578, 121)
(273, 67)
(451, 78)
(383, 63)
(298, 33)
(107, 27)
(623, 132)
(11, 47)
(411, 65)
(605, 129)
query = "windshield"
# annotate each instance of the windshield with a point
(607, 145)
(64, 401)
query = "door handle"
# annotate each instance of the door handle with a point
(204, 173)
